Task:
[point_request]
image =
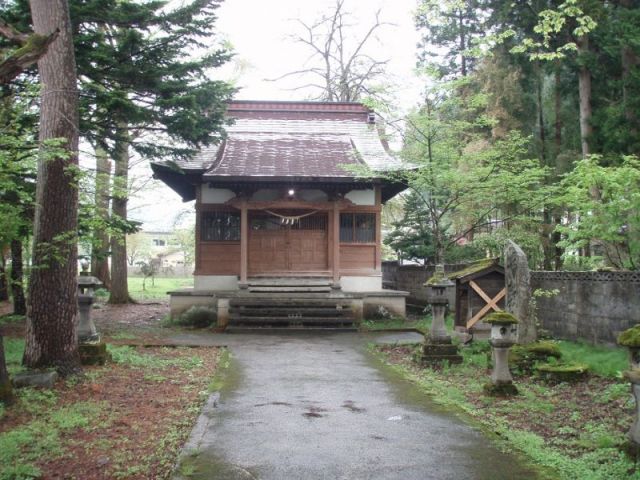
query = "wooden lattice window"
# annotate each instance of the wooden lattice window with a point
(220, 227)
(358, 227)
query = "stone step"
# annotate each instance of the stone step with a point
(293, 302)
(281, 289)
(246, 319)
(329, 310)
(334, 294)
(287, 329)
(290, 282)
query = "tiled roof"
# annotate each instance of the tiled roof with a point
(295, 139)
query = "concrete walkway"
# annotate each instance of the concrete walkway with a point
(319, 407)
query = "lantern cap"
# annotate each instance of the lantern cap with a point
(439, 278)
(630, 337)
(500, 318)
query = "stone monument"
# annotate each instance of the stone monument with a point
(518, 284)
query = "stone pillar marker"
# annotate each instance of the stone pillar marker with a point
(518, 284)
(504, 331)
(438, 347)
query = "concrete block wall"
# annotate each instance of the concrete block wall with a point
(590, 306)
(411, 278)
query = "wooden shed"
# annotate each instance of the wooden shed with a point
(480, 290)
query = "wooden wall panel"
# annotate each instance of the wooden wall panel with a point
(357, 257)
(219, 259)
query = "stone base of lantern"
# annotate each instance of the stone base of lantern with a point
(437, 353)
(634, 432)
(93, 353)
(500, 389)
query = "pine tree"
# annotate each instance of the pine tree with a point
(51, 338)
(144, 92)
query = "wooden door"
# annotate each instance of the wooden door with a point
(279, 248)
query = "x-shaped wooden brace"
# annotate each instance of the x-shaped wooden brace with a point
(491, 303)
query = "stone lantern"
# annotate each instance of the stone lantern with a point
(86, 285)
(631, 339)
(438, 346)
(92, 350)
(504, 334)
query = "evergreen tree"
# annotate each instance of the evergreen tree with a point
(145, 90)
(51, 338)
(449, 30)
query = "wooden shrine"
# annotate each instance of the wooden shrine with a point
(480, 290)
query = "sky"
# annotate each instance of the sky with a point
(260, 32)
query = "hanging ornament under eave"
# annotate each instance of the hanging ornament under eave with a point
(290, 219)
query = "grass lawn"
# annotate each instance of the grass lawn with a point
(127, 419)
(572, 430)
(156, 289)
(420, 323)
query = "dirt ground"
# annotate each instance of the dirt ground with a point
(134, 323)
(143, 404)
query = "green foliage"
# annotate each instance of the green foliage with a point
(197, 316)
(395, 323)
(159, 289)
(605, 361)
(13, 350)
(452, 27)
(163, 88)
(612, 216)
(8, 319)
(596, 450)
(461, 190)
(126, 355)
(21, 447)
(522, 75)
(477, 354)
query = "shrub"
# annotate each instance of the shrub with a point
(197, 316)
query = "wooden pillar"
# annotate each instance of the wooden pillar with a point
(244, 243)
(336, 244)
(378, 260)
(198, 252)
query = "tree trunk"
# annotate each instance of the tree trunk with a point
(6, 392)
(543, 140)
(100, 251)
(119, 285)
(584, 90)
(17, 279)
(4, 288)
(630, 61)
(52, 307)
(560, 164)
(463, 44)
(558, 108)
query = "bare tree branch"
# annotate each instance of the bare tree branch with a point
(345, 69)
